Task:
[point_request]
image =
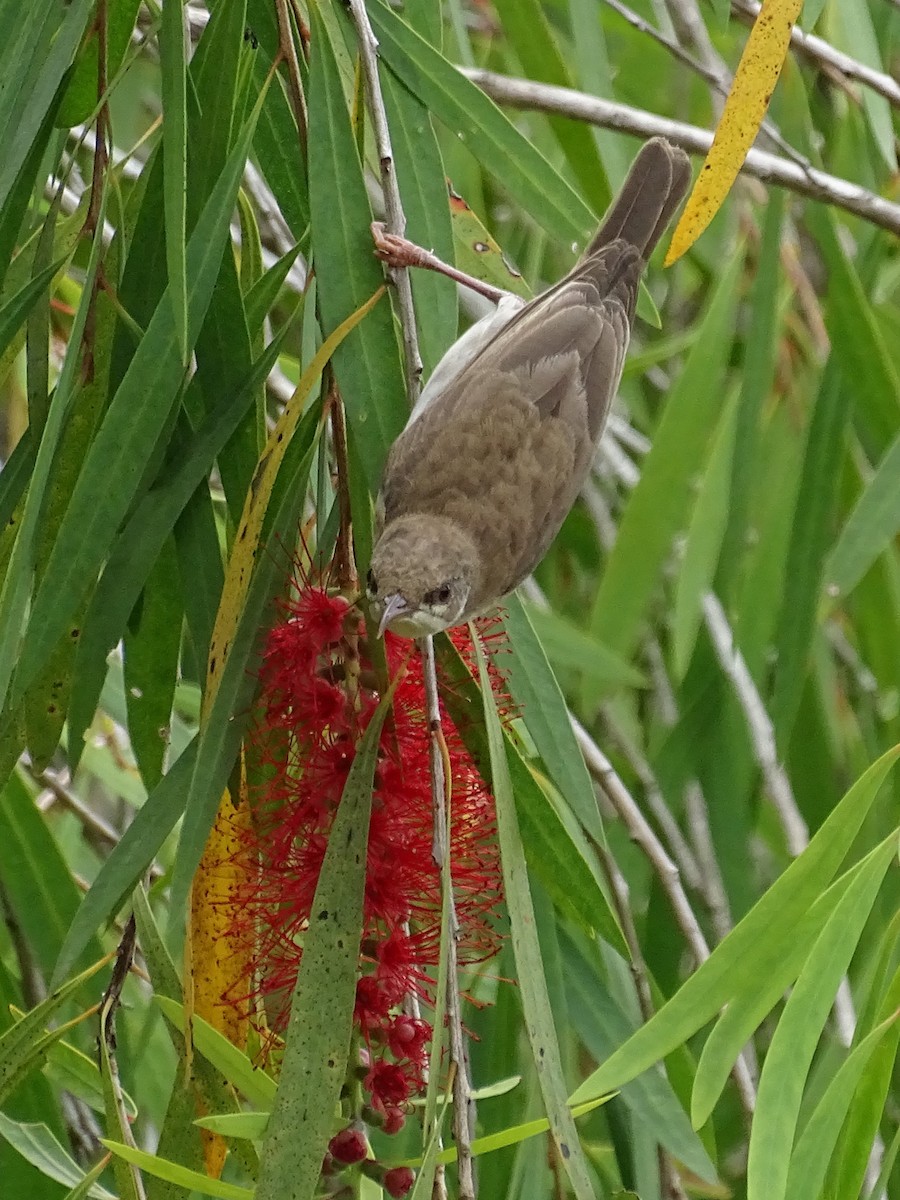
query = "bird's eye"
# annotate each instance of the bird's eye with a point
(439, 595)
(371, 582)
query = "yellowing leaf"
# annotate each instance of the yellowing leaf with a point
(751, 91)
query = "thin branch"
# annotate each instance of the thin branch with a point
(295, 81)
(718, 77)
(769, 168)
(759, 724)
(398, 252)
(463, 1103)
(762, 739)
(665, 869)
(396, 220)
(823, 54)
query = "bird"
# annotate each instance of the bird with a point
(495, 452)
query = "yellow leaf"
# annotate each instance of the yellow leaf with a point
(745, 108)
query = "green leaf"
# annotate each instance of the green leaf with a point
(532, 984)
(33, 63)
(771, 921)
(173, 74)
(534, 688)
(809, 1160)
(129, 859)
(367, 365)
(138, 413)
(753, 1000)
(39, 1146)
(493, 139)
(536, 45)
(317, 1046)
(37, 884)
(658, 506)
(243, 1074)
(23, 1045)
(191, 1181)
(791, 1051)
(870, 529)
(704, 539)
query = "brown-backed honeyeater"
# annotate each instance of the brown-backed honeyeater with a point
(481, 479)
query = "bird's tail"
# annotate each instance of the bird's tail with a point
(653, 189)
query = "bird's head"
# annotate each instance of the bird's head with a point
(423, 576)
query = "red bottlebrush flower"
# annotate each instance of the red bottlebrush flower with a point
(349, 1146)
(309, 722)
(398, 1181)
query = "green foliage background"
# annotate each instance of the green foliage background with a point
(157, 309)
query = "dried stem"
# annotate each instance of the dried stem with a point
(396, 220)
(295, 82)
(400, 252)
(526, 94)
(463, 1104)
(109, 1006)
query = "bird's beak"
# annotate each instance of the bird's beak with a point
(394, 606)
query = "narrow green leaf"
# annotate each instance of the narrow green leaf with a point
(129, 859)
(569, 648)
(536, 44)
(870, 529)
(141, 541)
(243, 1074)
(493, 139)
(191, 1181)
(367, 365)
(809, 1161)
(39, 1146)
(794, 1042)
(544, 709)
(152, 648)
(532, 984)
(173, 74)
(139, 411)
(24, 1043)
(423, 188)
(37, 883)
(317, 1045)
(757, 990)
(810, 536)
(772, 919)
(704, 539)
(658, 506)
(35, 62)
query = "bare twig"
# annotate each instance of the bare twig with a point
(295, 82)
(762, 739)
(109, 1006)
(718, 77)
(762, 731)
(769, 168)
(665, 869)
(463, 1103)
(396, 220)
(823, 54)
(398, 252)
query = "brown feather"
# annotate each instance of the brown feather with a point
(494, 463)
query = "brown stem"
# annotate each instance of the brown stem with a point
(398, 252)
(295, 83)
